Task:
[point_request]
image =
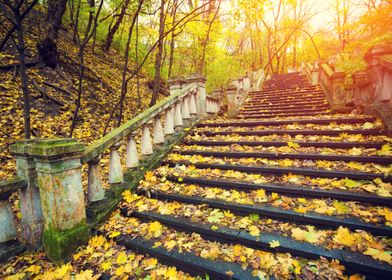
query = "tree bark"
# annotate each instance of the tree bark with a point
(158, 58)
(112, 30)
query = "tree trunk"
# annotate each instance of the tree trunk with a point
(56, 9)
(22, 72)
(158, 58)
(171, 57)
(113, 30)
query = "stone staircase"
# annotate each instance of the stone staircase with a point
(287, 190)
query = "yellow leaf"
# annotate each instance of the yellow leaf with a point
(84, 275)
(169, 245)
(106, 266)
(114, 234)
(121, 258)
(33, 269)
(17, 276)
(63, 270)
(155, 229)
(214, 227)
(97, 241)
(293, 145)
(274, 244)
(344, 237)
(379, 255)
(150, 263)
(368, 125)
(171, 273)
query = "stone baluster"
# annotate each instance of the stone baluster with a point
(8, 229)
(201, 96)
(59, 176)
(159, 137)
(232, 101)
(115, 169)
(132, 159)
(146, 145)
(185, 109)
(192, 105)
(169, 121)
(178, 122)
(95, 190)
(31, 224)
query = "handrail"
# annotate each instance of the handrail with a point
(96, 148)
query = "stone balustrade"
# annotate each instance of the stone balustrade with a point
(55, 208)
(371, 88)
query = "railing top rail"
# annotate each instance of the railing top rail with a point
(98, 147)
(385, 61)
(7, 187)
(327, 69)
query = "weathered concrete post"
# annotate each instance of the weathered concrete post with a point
(175, 83)
(30, 201)
(201, 96)
(132, 159)
(59, 173)
(232, 102)
(185, 109)
(246, 83)
(315, 75)
(115, 169)
(338, 91)
(95, 190)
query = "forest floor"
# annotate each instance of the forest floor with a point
(53, 93)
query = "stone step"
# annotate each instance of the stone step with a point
(333, 145)
(283, 112)
(272, 107)
(266, 115)
(276, 101)
(300, 156)
(296, 94)
(318, 220)
(324, 121)
(285, 189)
(311, 172)
(186, 262)
(354, 262)
(295, 109)
(258, 104)
(296, 132)
(10, 249)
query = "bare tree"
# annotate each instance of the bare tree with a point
(14, 14)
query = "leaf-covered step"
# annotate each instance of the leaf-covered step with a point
(311, 172)
(267, 116)
(323, 121)
(286, 107)
(300, 156)
(296, 132)
(10, 249)
(332, 145)
(289, 190)
(284, 99)
(297, 95)
(354, 262)
(263, 103)
(187, 262)
(294, 109)
(274, 213)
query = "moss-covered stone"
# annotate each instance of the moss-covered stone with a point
(61, 244)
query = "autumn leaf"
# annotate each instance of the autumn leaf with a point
(121, 258)
(385, 256)
(150, 263)
(344, 237)
(274, 244)
(33, 269)
(215, 216)
(155, 229)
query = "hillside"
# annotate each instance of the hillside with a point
(53, 93)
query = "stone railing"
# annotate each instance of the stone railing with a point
(54, 205)
(370, 91)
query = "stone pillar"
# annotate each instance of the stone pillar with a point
(379, 70)
(59, 174)
(359, 77)
(232, 101)
(115, 169)
(175, 84)
(8, 229)
(30, 201)
(337, 86)
(95, 190)
(185, 109)
(132, 159)
(200, 81)
(315, 76)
